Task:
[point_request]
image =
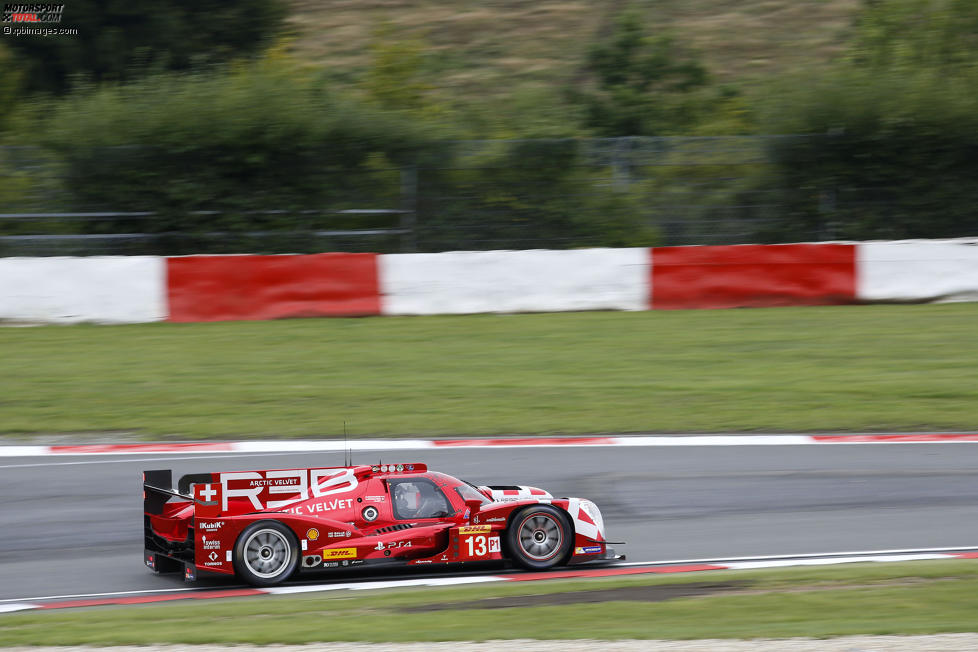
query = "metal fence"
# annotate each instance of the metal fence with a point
(487, 195)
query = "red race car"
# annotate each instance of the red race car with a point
(266, 526)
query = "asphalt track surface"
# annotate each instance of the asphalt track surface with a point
(72, 525)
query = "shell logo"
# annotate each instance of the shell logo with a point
(312, 534)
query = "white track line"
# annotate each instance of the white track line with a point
(281, 447)
(104, 595)
(381, 584)
(807, 555)
(145, 457)
(736, 563)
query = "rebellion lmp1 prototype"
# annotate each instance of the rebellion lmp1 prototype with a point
(267, 526)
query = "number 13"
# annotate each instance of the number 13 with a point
(477, 546)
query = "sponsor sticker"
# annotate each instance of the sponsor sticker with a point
(370, 513)
(497, 519)
(207, 494)
(282, 488)
(392, 544)
(312, 534)
(340, 553)
(475, 529)
(588, 550)
(212, 544)
(210, 526)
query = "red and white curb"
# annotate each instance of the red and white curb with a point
(633, 568)
(287, 446)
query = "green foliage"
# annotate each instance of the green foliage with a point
(120, 41)
(894, 139)
(11, 78)
(395, 79)
(914, 34)
(525, 113)
(529, 193)
(15, 184)
(643, 84)
(257, 138)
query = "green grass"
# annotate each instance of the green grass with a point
(918, 598)
(859, 368)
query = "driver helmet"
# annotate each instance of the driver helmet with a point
(407, 497)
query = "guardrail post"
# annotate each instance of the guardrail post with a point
(409, 209)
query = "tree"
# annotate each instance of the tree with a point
(257, 148)
(395, 79)
(10, 82)
(119, 40)
(642, 85)
(894, 124)
(913, 34)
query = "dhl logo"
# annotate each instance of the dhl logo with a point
(475, 529)
(340, 553)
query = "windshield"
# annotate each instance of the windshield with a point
(418, 498)
(468, 491)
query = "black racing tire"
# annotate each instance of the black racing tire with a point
(266, 553)
(539, 537)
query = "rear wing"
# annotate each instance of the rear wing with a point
(168, 540)
(158, 488)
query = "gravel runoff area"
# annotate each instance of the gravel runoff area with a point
(932, 643)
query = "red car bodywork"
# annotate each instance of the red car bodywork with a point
(354, 516)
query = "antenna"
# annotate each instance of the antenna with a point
(347, 453)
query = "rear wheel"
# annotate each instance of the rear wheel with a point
(539, 537)
(266, 553)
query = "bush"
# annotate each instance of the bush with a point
(894, 156)
(533, 193)
(233, 146)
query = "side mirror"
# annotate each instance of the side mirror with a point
(474, 505)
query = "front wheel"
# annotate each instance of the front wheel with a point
(266, 553)
(539, 537)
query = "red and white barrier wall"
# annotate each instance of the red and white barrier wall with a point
(918, 271)
(232, 288)
(514, 281)
(100, 289)
(246, 287)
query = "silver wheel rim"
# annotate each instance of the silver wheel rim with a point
(267, 553)
(540, 537)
